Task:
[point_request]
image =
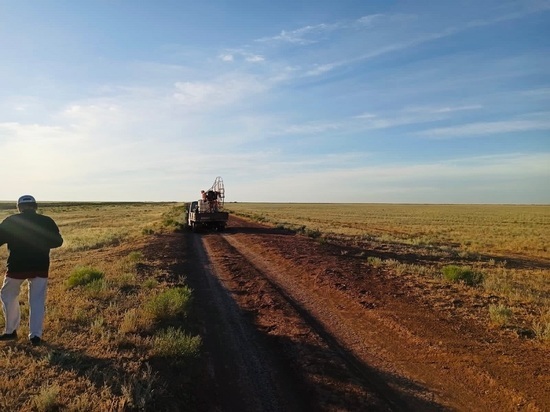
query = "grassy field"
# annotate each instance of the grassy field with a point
(502, 250)
(489, 229)
(107, 320)
(111, 313)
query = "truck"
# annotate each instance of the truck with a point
(207, 212)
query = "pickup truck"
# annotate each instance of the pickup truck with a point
(199, 215)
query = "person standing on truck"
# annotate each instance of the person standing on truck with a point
(29, 237)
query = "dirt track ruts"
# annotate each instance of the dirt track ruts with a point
(306, 326)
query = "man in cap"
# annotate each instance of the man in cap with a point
(29, 237)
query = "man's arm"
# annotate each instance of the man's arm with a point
(55, 239)
(3, 236)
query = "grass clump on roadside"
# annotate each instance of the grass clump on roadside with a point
(460, 274)
(46, 399)
(541, 328)
(169, 304)
(174, 343)
(500, 315)
(85, 275)
(136, 320)
(139, 390)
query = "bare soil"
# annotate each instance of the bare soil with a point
(290, 323)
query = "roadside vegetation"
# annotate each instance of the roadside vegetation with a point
(494, 256)
(118, 324)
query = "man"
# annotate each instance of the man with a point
(29, 237)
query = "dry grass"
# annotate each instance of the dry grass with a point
(492, 229)
(98, 339)
(499, 253)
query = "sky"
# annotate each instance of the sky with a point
(288, 101)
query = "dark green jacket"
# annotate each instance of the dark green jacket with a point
(29, 236)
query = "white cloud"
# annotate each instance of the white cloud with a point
(368, 20)
(442, 109)
(304, 35)
(231, 55)
(227, 57)
(218, 92)
(486, 128)
(254, 58)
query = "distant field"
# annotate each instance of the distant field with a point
(488, 229)
(508, 245)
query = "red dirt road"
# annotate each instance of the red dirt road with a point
(294, 324)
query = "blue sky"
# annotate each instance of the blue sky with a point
(300, 101)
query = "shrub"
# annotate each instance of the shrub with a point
(375, 261)
(98, 326)
(83, 276)
(135, 256)
(541, 328)
(150, 283)
(46, 400)
(135, 321)
(453, 273)
(500, 314)
(139, 391)
(125, 281)
(96, 287)
(170, 303)
(312, 233)
(174, 343)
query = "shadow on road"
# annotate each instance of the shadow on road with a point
(247, 363)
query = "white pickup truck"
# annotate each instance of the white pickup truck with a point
(201, 214)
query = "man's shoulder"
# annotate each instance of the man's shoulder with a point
(40, 216)
(10, 218)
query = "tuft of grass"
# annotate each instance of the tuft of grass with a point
(46, 400)
(82, 403)
(541, 328)
(375, 262)
(500, 314)
(125, 281)
(139, 390)
(174, 343)
(80, 316)
(135, 256)
(83, 276)
(135, 321)
(98, 326)
(169, 304)
(455, 274)
(95, 287)
(150, 283)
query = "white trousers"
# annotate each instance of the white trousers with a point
(37, 304)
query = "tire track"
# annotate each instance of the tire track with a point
(428, 364)
(247, 369)
(387, 398)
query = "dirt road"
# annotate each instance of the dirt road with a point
(294, 324)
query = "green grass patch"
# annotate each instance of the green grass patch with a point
(500, 314)
(84, 276)
(169, 304)
(460, 274)
(174, 343)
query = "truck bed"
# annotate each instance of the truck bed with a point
(201, 217)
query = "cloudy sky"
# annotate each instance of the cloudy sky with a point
(302, 101)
